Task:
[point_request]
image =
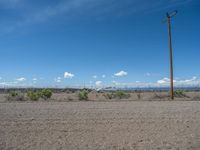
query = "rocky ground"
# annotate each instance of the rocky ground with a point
(100, 125)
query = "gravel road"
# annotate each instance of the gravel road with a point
(100, 125)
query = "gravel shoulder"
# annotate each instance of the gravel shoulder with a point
(100, 125)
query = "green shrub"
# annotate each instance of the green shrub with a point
(13, 93)
(34, 95)
(83, 95)
(180, 93)
(15, 96)
(46, 93)
(121, 94)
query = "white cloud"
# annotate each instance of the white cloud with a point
(163, 81)
(58, 79)
(0, 78)
(34, 80)
(103, 76)
(68, 75)
(95, 76)
(98, 83)
(121, 74)
(186, 82)
(193, 80)
(8, 83)
(21, 79)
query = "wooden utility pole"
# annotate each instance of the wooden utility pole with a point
(171, 57)
(169, 16)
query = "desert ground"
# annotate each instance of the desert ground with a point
(64, 122)
(69, 96)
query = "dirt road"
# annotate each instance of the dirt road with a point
(100, 125)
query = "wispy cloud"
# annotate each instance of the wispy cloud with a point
(8, 83)
(58, 79)
(34, 79)
(10, 3)
(75, 8)
(186, 82)
(21, 79)
(116, 83)
(165, 82)
(148, 74)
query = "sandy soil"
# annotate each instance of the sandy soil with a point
(100, 125)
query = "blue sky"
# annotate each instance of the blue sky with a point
(97, 43)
